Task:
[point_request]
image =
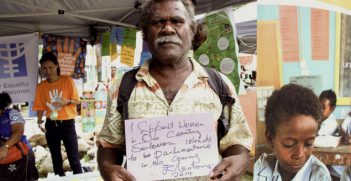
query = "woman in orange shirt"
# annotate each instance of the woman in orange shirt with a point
(57, 96)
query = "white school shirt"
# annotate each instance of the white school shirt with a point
(328, 126)
(347, 174)
(266, 169)
(346, 125)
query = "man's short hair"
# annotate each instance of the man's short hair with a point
(145, 13)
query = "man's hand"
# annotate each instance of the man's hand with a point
(233, 165)
(117, 173)
(109, 161)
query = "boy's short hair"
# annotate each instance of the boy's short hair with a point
(289, 101)
(330, 95)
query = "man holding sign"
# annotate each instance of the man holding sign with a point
(170, 95)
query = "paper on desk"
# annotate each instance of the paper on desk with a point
(171, 147)
(327, 141)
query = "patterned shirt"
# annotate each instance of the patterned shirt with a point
(7, 119)
(195, 96)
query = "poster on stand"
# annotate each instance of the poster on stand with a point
(19, 66)
(70, 53)
(219, 49)
(88, 115)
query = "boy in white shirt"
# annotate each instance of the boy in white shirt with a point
(346, 136)
(346, 175)
(291, 117)
(346, 130)
(329, 125)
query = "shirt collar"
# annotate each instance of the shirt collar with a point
(143, 73)
(276, 171)
(305, 171)
(302, 173)
(267, 170)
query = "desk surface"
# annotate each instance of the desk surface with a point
(340, 155)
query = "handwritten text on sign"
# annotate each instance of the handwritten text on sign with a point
(171, 147)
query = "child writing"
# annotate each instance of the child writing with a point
(291, 118)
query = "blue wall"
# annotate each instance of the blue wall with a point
(324, 68)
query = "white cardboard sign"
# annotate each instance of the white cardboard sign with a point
(171, 147)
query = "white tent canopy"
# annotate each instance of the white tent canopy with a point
(246, 26)
(79, 18)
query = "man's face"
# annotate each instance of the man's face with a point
(326, 108)
(169, 33)
(293, 143)
(113, 71)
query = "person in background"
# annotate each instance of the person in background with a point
(57, 96)
(346, 136)
(291, 115)
(342, 172)
(346, 129)
(113, 74)
(346, 176)
(171, 81)
(329, 125)
(11, 133)
(200, 35)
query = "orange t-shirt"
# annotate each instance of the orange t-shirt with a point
(47, 93)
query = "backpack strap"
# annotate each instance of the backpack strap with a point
(126, 87)
(219, 86)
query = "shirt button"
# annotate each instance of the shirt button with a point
(170, 109)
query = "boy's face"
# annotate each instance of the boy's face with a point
(293, 143)
(326, 108)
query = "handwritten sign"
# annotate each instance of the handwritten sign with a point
(171, 147)
(127, 55)
(67, 63)
(320, 34)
